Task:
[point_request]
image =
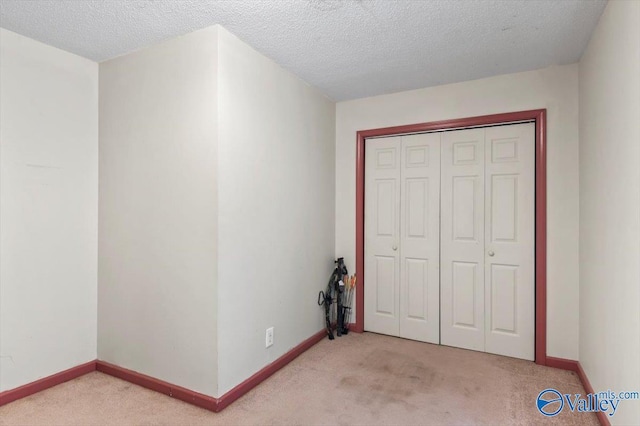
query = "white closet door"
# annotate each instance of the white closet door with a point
(382, 228)
(462, 239)
(420, 238)
(510, 240)
(450, 238)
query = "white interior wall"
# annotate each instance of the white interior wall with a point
(156, 271)
(48, 210)
(276, 209)
(157, 227)
(610, 206)
(553, 88)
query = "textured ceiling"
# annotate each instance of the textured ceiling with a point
(348, 49)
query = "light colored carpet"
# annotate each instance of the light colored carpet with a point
(361, 379)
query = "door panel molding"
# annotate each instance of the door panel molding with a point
(402, 247)
(420, 238)
(462, 239)
(503, 153)
(510, 236)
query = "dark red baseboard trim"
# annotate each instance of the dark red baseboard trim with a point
(46, 383)
(267, 371)
(602, 417)
(201, 400)
(575, 366)
(563, 364)
(178, 392)
(218, 404)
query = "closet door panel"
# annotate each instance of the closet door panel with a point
(462, 239)
(420, 238)
(510, 240)
(382, 228)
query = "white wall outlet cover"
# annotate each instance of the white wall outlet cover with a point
(269, 337)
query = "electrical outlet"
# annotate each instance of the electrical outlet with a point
(269, 337)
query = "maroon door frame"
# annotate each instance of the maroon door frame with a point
(540, 118)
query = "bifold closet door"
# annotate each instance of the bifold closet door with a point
(420, 238)
(487, 240)
(462, 239)
(402, 191)
(510, 240)
(382, 235)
